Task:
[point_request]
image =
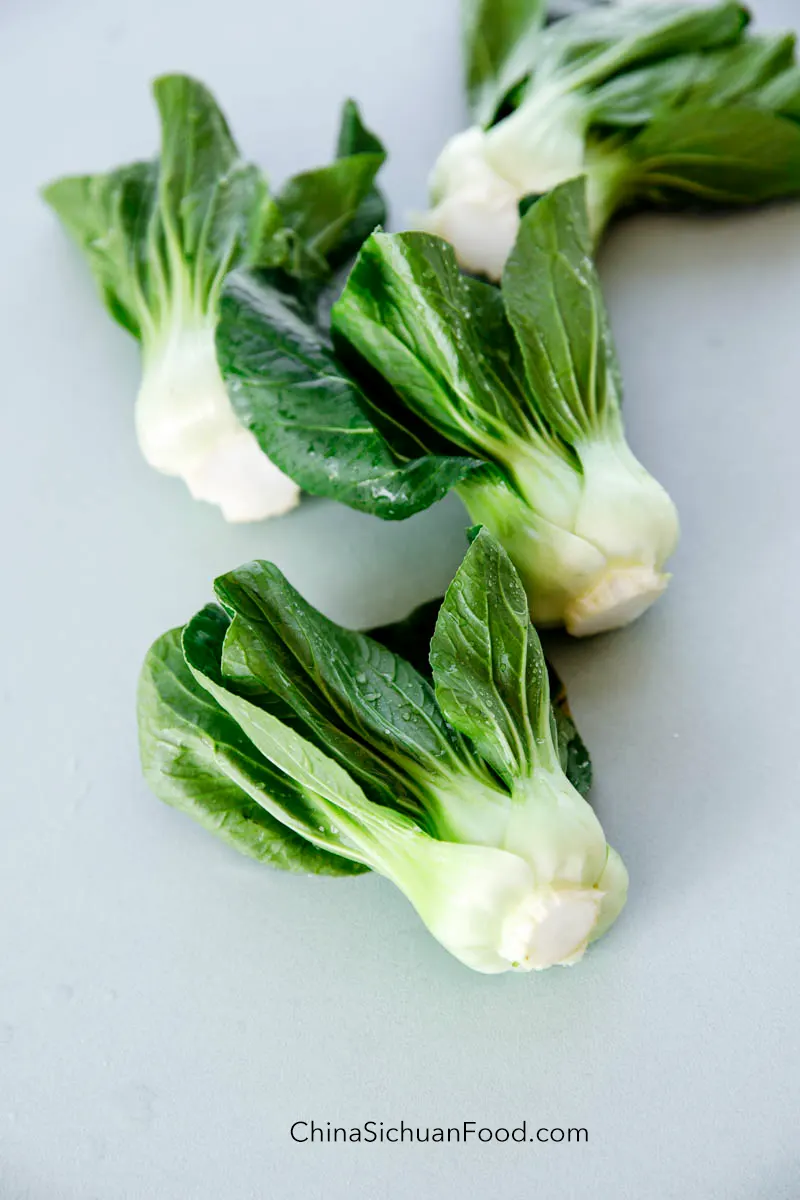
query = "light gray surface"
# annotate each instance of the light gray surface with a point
(166, 1008)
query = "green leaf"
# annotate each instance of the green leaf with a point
(669, 105)
(702, 156)
(411, 638)
(505, 42)
(555, 304)
(440, 339)
(333, 209)
(365, 688)
(350, 696)
(321, 206)
(107, 216)
(499, 39)
(320, 800)
(591, 47)
(633, 98)
(782, 94)
(354, 138)
(572, 751)
(287, 386)
(739, 73)
(211, 202)
(160, 237)
(735, 74)
(193, 753)
(488, 667)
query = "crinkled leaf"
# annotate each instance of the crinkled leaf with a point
(288, 387)
(555, 304)
(488, 667)
(195, 757)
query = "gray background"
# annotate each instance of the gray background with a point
(167, 1008)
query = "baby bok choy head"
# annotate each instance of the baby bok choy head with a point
(162, 236)
(436, 380)
(318, 749)
(659, 104)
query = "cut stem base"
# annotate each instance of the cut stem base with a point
(620, 596)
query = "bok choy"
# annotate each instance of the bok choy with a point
(435, 380)
(162, 236)
(317, 749)
(664, 104)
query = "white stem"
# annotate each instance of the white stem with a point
(590, 545)
(474, 208)
(542, 143)
(186, 427)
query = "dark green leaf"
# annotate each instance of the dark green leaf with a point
(355, 138)
(555, 304)
(593, 46)
(499, 46)
(709, 156)
(488, 666)
(411, 638)
(334, 209)
(321, 205)
(735, 74)
(311, 794)
(782, 94)
(338, 686)
(193, 752)
(440, 339)
(336, 679)
(572, 752)
(288, 387)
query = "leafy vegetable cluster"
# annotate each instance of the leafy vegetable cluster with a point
(434, 380)
(288, 342)
(319, 749)
(162, 236)
(667, 105)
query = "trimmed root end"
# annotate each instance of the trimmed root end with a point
(620, 596)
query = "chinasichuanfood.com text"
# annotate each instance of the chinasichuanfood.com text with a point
(466, 1131)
